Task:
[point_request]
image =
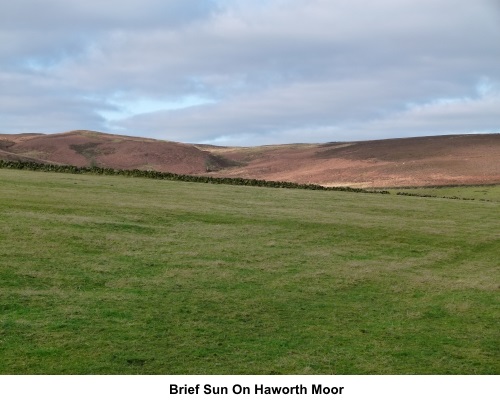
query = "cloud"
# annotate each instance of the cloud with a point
(248, 72)
(316, 113)
(31, 103)
(446, 116)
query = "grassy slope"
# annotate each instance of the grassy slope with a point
(119, 275)
(491, 193)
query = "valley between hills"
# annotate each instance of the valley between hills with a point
(468, 159)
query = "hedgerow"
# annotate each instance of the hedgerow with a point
(442, 196)
(151, 174)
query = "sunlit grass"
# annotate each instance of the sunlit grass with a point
(481, 193)
(119, 275)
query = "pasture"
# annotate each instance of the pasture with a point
(481, 193)
(117, 275)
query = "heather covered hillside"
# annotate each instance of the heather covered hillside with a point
(421, 161)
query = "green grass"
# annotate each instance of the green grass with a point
(114, 275)
(489, 193)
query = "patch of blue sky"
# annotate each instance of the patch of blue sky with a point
(128, 108)
(38, 64)
(486, 86)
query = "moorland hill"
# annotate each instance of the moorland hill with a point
(420, 161)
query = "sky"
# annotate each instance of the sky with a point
(251, 72)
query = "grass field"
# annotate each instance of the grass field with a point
(115, 275)
(490, 193)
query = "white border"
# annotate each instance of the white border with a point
(387, 390)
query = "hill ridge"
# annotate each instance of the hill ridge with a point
(416, 161)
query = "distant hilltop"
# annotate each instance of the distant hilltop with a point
(421, 161)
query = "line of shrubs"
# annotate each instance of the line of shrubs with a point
(436, 196)
(438, 186)
(151, 174)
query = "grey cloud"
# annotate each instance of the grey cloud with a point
(273, 70)
(325, 112)
(102, 15)
(52, 29)
(30, 103)
(229, 50)
(459, 116)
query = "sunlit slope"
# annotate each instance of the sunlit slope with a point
(436, 160)
(422, 161)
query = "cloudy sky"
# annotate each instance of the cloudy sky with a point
(249, 72)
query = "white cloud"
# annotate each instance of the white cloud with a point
(247, 71)
(444, 116)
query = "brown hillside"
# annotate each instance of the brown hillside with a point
(437, 160)
(86, 148)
